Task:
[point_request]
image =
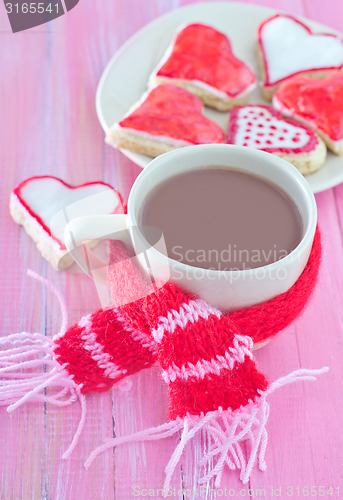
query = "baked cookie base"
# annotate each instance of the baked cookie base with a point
(206, 97)
(307, 163)
(50, 250)
(119, 138)
(335, 147)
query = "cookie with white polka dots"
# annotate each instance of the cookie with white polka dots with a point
(262, 127)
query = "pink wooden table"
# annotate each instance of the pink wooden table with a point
(49, 126)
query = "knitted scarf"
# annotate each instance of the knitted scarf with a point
(205, 358)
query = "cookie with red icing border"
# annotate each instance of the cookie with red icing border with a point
(287, 47)
(201, 60)
(167, 117)
(317, 103)
(44, 205)
(262, 127)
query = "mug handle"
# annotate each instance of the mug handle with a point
(91, 227)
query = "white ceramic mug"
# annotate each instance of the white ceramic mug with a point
(227, 290)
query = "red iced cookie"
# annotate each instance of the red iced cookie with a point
(166, 118)
(201, 60)
(318, 103)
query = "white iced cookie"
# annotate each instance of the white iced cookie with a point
(287, 47)
(44, 205)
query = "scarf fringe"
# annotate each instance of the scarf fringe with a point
(29, 369)
(19, 384)
(225, 431)
(30, 372)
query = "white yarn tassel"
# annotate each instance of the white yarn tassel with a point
(225, 430)
(28, 366)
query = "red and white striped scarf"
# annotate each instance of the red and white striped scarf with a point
(205, 357)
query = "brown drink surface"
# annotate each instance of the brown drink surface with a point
(217, 218)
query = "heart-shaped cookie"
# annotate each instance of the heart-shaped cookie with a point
(316, 102)
(201, 60)
(44, 205)
(262, 127)
(288, 47)
(166, 118)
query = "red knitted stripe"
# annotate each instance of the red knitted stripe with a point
(126, 351)
(81, 366)
(230, 390)
(265, 320)
(133, 314)
(203, 339)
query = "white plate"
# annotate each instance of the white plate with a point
(125, 77)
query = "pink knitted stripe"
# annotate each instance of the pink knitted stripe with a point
(188, 313)
(236, 354)
(138, 336)
(102, 358)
